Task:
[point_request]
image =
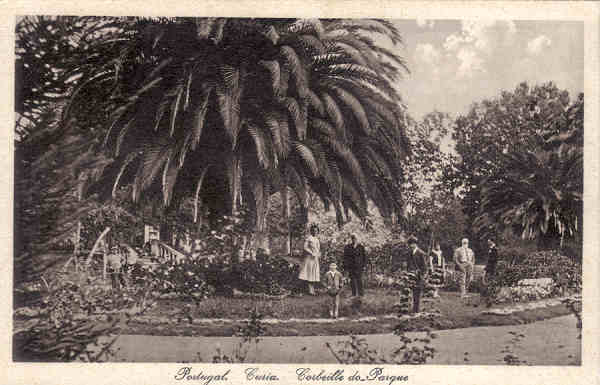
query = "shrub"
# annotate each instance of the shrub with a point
(564, 271)
(355, 350)
(58, 326)
(197, 279)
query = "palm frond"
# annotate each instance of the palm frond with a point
(272, 66)
(307, 156)
(354, 105)
(294, 66)
(260, 144)
(335, 115)
(200, 115)
(122, 134)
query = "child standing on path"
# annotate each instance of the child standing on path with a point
(335, 283)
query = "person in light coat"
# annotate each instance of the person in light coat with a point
(437, 268)
(114, 266)
(464, 260)
(309, 270)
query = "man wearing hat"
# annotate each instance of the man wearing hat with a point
(418, 267)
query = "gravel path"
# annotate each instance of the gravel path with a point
(548, 342)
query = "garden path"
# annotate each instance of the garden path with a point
(548, 342)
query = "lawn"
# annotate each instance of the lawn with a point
(377, 303)
(172, 316)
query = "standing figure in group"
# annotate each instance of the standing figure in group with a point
(418, 267)
(114, 267)
(490, 268)
(335, 283)
(355, 262)
(438, 269)
(309, 271)
(464, 260)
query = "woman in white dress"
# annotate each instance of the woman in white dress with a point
(438, 269)
(309, 271)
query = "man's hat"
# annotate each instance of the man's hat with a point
(412, 239)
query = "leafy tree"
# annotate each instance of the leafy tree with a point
(512, 169)
(432, 210)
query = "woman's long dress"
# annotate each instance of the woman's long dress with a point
(438, 268)
(309, 271)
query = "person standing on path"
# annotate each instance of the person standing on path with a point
(335, 283)
(355, 262)
(418, 268)
(492, 261)
(309, 271)
(464, 260)
(114, 267)
(437, 268)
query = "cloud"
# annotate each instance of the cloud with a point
(535, 46)
(470, 62)
(427, 53)
(424, 23)
(477, 42)
(483, 35)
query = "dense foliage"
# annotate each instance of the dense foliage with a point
(566, 275)
(240, 109)
(67, 319)
(520, 164)
(195, 279)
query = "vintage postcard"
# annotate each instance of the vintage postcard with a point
(301, 192)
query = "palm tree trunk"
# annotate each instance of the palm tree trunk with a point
(261, 192)
(285, 206)
(197, 198)
(77, 246)
(234, 179)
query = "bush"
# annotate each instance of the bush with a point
(187, 279)
(197, 279)
(57, 327)
(564, 271)
(412, 350)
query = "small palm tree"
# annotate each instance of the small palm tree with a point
(540, 195)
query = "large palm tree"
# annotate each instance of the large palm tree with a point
(229, 111)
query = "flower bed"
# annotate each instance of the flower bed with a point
(515, 282)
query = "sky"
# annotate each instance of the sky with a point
(454, 63)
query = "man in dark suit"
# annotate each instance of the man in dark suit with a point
(490, 268)
(418, 266)
(355, 262)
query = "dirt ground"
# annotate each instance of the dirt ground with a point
(548, 342)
